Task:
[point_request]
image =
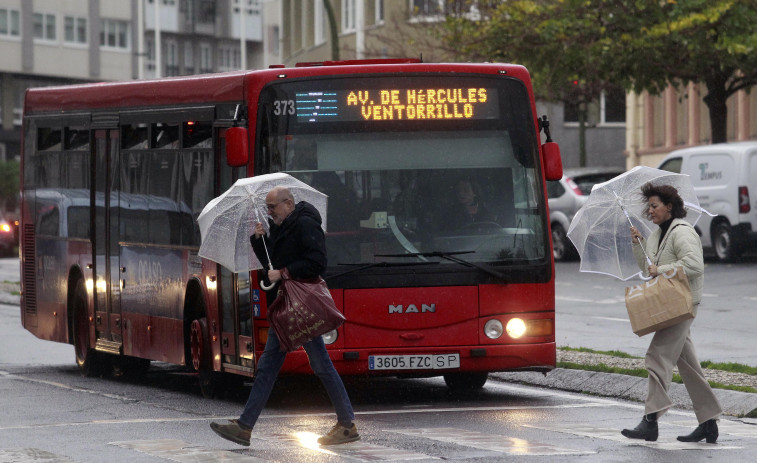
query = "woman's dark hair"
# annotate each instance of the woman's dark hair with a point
(668, 195)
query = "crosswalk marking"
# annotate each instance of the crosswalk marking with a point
(358, 450)
(184, 452)
(31, 455)
(614, 435)
(492, 442)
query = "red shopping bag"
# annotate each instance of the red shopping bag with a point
(303, 309)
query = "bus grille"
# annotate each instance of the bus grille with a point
(30, 275)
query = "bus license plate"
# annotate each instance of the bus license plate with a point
(413, 362)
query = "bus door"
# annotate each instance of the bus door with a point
(107, 272)
(235, 294)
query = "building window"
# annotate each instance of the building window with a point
(114, 34)
(609, 109)
(150, 55)
(426, 7)
(379, 18)
(9, 23)
(172, 58)
(44, 27)
(206, 58)
(229, 58)
(75, 30)
(189, 58)
(207, 12)
(348, 15)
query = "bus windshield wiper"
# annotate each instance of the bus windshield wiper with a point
(378, 264)
(451, 256)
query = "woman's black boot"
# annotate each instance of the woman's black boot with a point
(707, 430)
(646, 430)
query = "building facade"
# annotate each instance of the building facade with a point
(59, 42)
(679, 118)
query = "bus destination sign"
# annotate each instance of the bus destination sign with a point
(409, 104)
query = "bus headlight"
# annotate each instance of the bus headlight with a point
(493, 329)
(516, 328)
(330, 337)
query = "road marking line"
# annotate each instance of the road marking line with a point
(491, 442)
(184, 452)
(614, 435)
(612, 319)
(31, 455)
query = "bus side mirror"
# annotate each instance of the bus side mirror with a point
(552, 160)
(236, 147)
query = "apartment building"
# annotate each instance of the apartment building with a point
(58, 42)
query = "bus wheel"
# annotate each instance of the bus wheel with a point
(198, 344)
(462, 382)
(86, 358)
(199, 348)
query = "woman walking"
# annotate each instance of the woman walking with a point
(675, 243)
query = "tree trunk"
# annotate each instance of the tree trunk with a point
(716, 104)
(582, 116)
(333, 29)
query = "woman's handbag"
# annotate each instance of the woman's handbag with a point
(660, 302)
(303, 309)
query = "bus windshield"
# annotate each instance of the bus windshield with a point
(412, 166)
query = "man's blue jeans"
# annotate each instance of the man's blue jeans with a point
(268, 369)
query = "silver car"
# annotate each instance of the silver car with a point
(566, 196)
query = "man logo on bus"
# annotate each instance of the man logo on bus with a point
(399, 308)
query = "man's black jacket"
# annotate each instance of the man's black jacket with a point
(298, 243)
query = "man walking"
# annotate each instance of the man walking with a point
(297, 243)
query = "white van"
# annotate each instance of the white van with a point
(723, 176)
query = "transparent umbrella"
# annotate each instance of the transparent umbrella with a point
(600, 230)
(227, 222)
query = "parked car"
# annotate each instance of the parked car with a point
(723, 176)
(7, 237)
(566, 196)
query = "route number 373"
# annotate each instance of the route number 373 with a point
(283, 108)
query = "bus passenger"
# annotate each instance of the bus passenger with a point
(297, 243)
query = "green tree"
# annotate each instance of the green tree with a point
(644, 45)
(9, 185)
(560, 42)
(710, 42)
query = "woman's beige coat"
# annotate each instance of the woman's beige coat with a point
(682, 247)
(673, 346)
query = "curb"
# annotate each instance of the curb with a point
(619, 386)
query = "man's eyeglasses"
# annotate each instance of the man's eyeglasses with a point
(273, 206)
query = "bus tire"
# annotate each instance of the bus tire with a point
(199, 348)
(462, 382)
(87, 359)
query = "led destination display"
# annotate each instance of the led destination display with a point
(409, 104)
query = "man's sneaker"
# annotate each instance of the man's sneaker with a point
(340, 435)
(233, 432)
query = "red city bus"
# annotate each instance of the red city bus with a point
(438, 237)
